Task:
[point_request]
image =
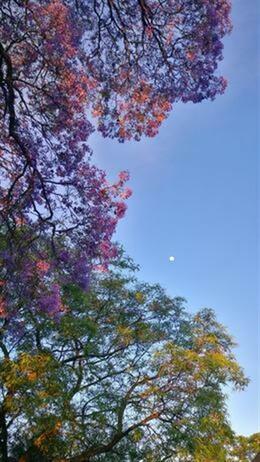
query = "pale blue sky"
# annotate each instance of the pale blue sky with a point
(195, 197)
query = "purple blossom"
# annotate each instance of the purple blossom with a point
(51, 302)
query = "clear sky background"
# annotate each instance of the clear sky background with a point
(195, 197)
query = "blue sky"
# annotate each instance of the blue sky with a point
(195, 197)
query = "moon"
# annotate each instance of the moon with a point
(171, 258)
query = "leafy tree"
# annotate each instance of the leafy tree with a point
(245, 448)
(127, 374)
(99, 366)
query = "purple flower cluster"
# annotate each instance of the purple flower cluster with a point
(51, 303)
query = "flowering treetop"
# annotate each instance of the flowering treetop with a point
(126, 63)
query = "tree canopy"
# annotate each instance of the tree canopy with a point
(95, 365)
(63, 62)
(127, 374)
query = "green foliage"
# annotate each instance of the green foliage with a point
(127, 374)
(245, 449)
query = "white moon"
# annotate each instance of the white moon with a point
(172, 258)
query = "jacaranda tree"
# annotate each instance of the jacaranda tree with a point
(95, 365)
(63, 63)
(125, 375)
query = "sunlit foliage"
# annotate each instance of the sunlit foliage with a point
(126, 374)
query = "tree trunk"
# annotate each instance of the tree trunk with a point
(3, 437)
